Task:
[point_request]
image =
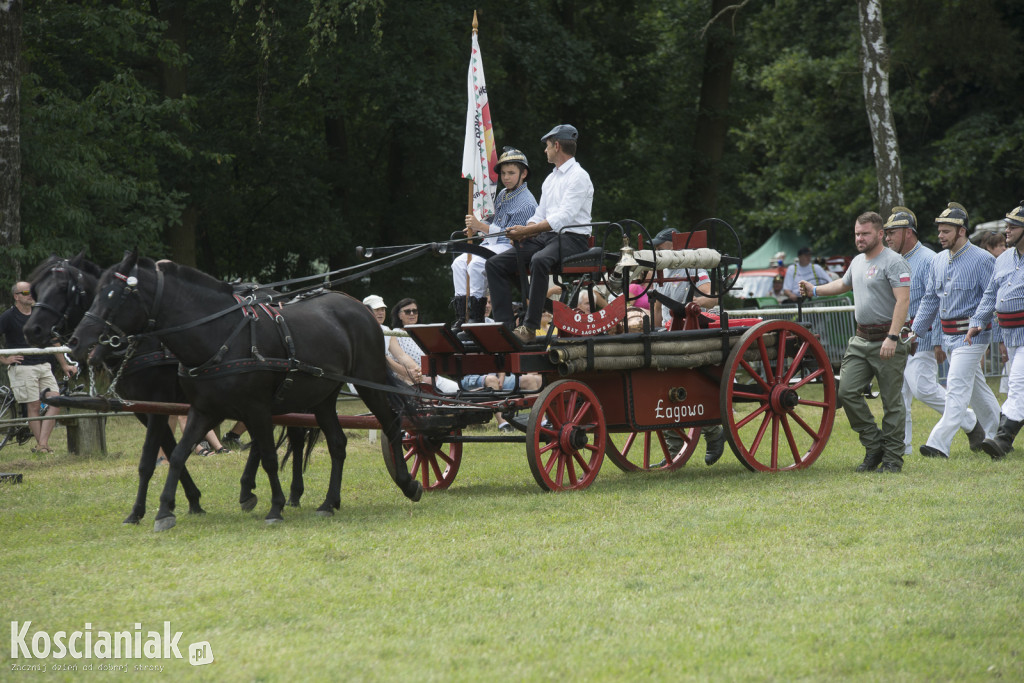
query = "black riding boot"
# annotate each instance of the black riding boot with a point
(1003, 442)
(477, 306)
(459, 303)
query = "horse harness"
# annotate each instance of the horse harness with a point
(216, 367)
(75, 294)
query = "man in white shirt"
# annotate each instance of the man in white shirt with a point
(560, 227)
(803, 269)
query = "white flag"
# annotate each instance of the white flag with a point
(479, 155)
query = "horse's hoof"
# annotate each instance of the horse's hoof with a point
(165, 523)
(293, 503)
(196, 510)
(417, 492)
(249, 503)
(325, 510)
(131, 519)
(273, 520)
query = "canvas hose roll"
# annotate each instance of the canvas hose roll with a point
(562, 354)
(647, 259)
(658, 362)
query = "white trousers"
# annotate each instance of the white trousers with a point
(920, 381)
(965, 386)
(477, 277)
(1013, 407)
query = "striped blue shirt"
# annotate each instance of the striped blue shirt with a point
(1005, 294)
(955, 286)
(510, 208)
(920, 259)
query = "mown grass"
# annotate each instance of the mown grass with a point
(704, 573)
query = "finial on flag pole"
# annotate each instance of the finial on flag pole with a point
(476, 25)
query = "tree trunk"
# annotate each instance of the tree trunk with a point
(336, 138)
(712, 118)
(181, 239)
(874, 53)
(10, 142)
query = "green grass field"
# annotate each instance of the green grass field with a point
(703, 573)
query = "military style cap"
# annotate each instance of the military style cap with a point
(902, 217)
(955, 214)
(1016, 217)
(510, 155)
(663, 236)
(562, 131)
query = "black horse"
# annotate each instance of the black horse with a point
(64, 290)
(246, 359)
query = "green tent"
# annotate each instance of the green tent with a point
(789, 241)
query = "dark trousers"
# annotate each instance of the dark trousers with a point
(540, 253)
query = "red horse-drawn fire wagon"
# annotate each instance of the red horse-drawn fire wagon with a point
(769, 384)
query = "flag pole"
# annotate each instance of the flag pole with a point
(469, 210)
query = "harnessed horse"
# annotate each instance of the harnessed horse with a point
(248, 376)
(64, 290)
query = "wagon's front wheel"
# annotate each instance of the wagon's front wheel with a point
(649, 451)
(781, 417)
(430, 459)
(565, 436)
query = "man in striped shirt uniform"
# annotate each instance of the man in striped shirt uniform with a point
(1005, 297)
(957, 282)
(920, 379)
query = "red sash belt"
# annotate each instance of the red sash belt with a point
(958, 326)
(1010, 320)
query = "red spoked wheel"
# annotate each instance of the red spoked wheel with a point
(637, 454)
(429, 459)
(788, 397)
(565, 436)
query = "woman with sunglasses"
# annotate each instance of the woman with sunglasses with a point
(407, 352)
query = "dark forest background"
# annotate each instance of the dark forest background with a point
(269, 139)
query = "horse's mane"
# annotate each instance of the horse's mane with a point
(188, 274)
(84, 265)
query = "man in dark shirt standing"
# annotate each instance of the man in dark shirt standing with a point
(29, 375)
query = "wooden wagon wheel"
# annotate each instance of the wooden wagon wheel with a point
(429, 459)
(779, 404)
(637, 454)
(565, 436)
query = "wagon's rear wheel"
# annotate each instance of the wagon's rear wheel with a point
(565, 436)
(647, 451)
(783, 419)
(429, 458)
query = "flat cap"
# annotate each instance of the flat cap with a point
(663, 236)
(562, 131)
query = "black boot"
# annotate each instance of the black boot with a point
(871, 462)
(459, 304)
(714, 441)
(477, 306)
(1003, 441)
(976, 437)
